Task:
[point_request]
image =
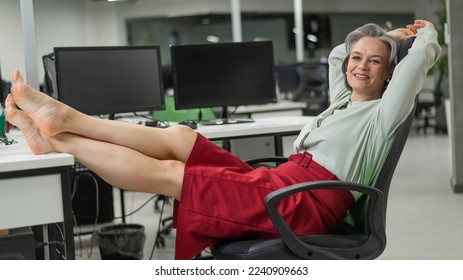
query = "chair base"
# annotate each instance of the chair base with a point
(428, 117)
(275, 249)
(427, 124)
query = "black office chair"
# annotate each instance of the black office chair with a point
(364, 239)
(49, 81)
(362, 235)
(429, 101)
(287, 78)
(312, 87)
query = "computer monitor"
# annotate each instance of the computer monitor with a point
(110, 80)
(222, 75)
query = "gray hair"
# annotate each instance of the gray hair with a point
(375, 31)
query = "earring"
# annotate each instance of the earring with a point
(388, 80)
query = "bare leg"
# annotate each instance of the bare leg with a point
(53, 117)
(118, 165)
(123, 167)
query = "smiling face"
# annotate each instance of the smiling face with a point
(367, 68)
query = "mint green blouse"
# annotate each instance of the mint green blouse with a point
(352, 139)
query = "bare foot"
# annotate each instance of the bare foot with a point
(38, 143)
(48, 114)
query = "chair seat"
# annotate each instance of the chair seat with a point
(275, 249)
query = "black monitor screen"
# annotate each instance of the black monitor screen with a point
(223, 74)
(110, 80)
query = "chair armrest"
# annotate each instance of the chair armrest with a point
(376, 218)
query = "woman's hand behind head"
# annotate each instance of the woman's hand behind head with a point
(410, 30)
(403, 33)
(419, 23)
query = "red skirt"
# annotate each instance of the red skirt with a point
(222, 198)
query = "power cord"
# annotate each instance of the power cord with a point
(159, 241)
(97, 214)
(139, 208)
(60, 240)
(79, 230)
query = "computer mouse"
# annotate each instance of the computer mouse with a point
(190, 123)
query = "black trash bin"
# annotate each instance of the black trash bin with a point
(121, 242)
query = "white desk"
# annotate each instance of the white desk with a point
(281, 108)
(276, 127)
(265, 145)
(261, 126)
(35, 190)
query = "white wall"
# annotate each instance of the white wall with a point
(11, 47)
(58, 23)
(82, 22)
(188, 7)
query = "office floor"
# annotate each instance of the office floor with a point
(424, 221)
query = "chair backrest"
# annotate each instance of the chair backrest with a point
(383, 181)
(385, 175)
(359, 210)
(49, 82)
(312, 77)
(287, 77)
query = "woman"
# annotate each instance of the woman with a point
(217, 195)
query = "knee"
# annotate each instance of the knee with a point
(181, 139)
(182, 131)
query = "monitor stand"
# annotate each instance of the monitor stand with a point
(225, 119)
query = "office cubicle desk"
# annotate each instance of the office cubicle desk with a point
(265, 145)
(277, 127)
(281, 108)
(35, 191)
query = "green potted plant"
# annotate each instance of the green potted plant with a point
(440, 72)
(441, 66)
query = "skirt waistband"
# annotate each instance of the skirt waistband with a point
(305, 160)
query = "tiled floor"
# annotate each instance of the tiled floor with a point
(425, 216)
(148, 216)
